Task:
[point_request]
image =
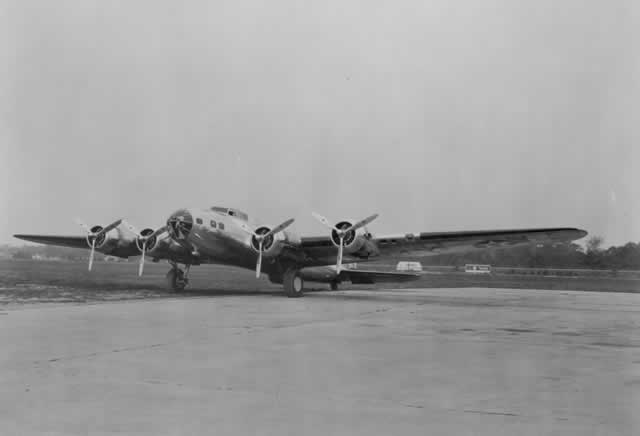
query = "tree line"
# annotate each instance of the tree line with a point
(592, 256)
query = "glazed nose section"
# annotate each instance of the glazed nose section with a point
(179, 224)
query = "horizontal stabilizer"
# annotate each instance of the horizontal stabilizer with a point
(328, 274)
(359, 276)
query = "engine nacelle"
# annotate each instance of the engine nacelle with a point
(102, 239)
(353, 240)
(151, 242)
(274, 244)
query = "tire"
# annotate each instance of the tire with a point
(175, 280)
(293, 284)
(334, 286)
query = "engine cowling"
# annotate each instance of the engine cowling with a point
(273, 245)
(101, 239)
(353, 240)
(151, 242)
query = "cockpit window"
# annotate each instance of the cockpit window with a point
(231, 212)
(238, 214)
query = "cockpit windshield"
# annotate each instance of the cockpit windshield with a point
(231, 212)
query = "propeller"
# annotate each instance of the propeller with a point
(142, 241)
(92, 236)
(342, 232)
(261, 237)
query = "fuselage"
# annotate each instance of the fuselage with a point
(215, 235)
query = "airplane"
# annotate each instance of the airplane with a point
(222, 235)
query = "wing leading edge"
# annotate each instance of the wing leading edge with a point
(433, 243)
(438, 242)
(63, 241)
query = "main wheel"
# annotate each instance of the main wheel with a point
(334, 286)
(176, 280)
(293, 284)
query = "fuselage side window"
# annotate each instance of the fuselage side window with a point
(221, 226)
(199, 220)
(213, 224)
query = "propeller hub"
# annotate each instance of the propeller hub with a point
(146, 239)
(267, 242)
(96, 237)
(348, 237)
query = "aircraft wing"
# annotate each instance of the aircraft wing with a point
(439, 242)
(321, 249)
(64, 241)
(165, 249)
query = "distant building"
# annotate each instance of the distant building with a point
(409, 266)
(477, 269)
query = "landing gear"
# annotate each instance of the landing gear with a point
(293, 283)
(334, 286)
(176, 278)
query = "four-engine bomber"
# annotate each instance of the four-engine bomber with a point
(223, 235)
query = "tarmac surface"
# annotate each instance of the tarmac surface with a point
(403, 362)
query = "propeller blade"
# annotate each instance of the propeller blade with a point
(362, 223)
(259, 264)
(323, 220)
(246, 228)
(158, 232)
(110, 227)
(93, 250)
(340, 249)
(141, 267)
(278, 228)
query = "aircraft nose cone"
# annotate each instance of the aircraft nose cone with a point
(180, 224)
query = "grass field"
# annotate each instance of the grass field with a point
(24, 281)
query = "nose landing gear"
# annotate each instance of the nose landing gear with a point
(177, 278)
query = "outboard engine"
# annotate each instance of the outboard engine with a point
(346, 235)
(99, 237)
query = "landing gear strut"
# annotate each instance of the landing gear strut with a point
(176, 278)
(293, 283)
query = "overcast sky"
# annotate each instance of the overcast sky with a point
(437, 114)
